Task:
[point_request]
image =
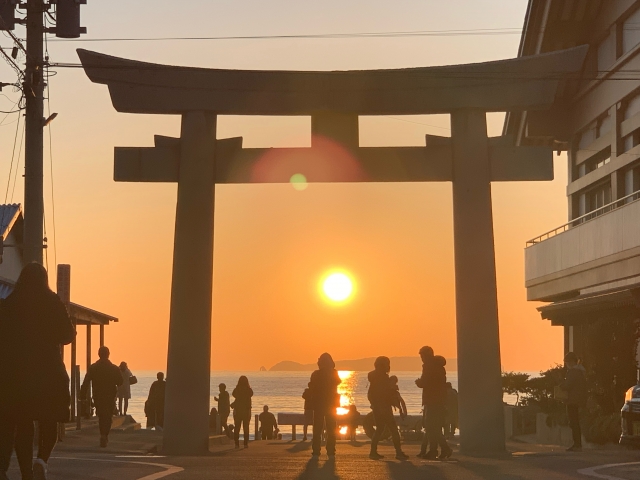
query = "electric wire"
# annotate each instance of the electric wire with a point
(15, 175)
(53, 203)
(13, 155)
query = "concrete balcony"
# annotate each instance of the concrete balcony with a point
(599, 248)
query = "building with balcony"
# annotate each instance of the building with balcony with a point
(588, 270)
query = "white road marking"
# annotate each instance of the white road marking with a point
(169, 469)
(591, 472)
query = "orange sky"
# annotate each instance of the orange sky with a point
(273, 243)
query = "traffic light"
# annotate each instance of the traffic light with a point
(68, 18)
(8, 14)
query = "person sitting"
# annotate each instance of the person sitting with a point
(268, 423)
(213, 420)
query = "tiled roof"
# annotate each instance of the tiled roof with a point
(9, 214)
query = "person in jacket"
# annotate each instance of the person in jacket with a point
(323, 389)
(124, 390)
(451, 421)
(154, 406)
(242, 410)
(268, 423)
(434, 397)
(224, 408)
(382, 395)
(308, 412)
(575, 384)
(104, 378)
(35, 386)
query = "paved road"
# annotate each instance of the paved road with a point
(278, 460)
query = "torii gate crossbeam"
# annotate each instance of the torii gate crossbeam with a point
(469, 159)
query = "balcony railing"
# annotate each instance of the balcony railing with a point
(586, 218)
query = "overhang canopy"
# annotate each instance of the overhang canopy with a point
(529, 83)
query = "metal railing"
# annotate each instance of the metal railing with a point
(621, 202)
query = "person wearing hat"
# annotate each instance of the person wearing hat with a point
(323, 390)
(575, 384)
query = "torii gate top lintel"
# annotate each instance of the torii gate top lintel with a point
(506, 85)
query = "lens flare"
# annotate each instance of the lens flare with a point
(299, 182)
(337, 287)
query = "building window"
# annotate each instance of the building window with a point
(632, 108)
(606, 53)
(598, 197)
(631, 32)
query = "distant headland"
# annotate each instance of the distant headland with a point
(398, 364)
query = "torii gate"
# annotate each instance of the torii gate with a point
(469, 159)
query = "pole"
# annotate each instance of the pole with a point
(479, 372)
(34, 96)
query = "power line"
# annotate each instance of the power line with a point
(13, 155)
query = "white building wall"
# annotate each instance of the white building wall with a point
(11, 260)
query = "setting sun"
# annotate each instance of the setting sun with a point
(337, 287)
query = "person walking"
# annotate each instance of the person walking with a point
(224, 408)
(35, 386)
(124, 390)
(308, 412)
(242, 410)
(323, 389)
(154, 406)
(268, 423)
(451, 421)
(434, 397)
(104, 378)
(382, 395)
(575, 384)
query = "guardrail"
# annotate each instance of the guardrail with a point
(621, 202)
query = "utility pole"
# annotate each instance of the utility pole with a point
(67, 25)
(34, 121)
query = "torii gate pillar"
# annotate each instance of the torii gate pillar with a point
(479, 369)
(186, 429)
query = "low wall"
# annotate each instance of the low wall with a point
(556, 435)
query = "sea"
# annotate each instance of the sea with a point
(282, 391)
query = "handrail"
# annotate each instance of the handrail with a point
(585, 218)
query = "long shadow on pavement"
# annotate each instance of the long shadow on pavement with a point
(409, 471)
(490, 472)
(299, 447)
(313, 470)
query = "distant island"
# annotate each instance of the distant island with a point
(398, 364)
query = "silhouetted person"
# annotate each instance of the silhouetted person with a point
(382, 395)
(434, 397)
(242, 410)
(398, 402)
(451, 421)
(154, 407)
(124, 390)
(268, 423)
(323, 388)
(224, 408)
(105, 378)
(35, 386)
(575, 384)
(308, 412)
(213, 420)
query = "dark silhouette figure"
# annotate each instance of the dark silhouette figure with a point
(382, 395)
(575, 384)
(398, 402)
(224, 408)
(124, 390)
(154, 406)
(213, 420)
(434, 397)
(323, 388)
(308, 412)
(35, 386)
(268, 423)
(242, 410)
(104, 378)
(451, 422)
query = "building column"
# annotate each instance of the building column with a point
(102, 335)
(186, 429)
(88, 346)
(479, 370)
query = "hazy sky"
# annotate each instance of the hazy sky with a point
(273, 243)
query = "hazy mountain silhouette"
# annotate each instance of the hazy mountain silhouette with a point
(398, 364)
